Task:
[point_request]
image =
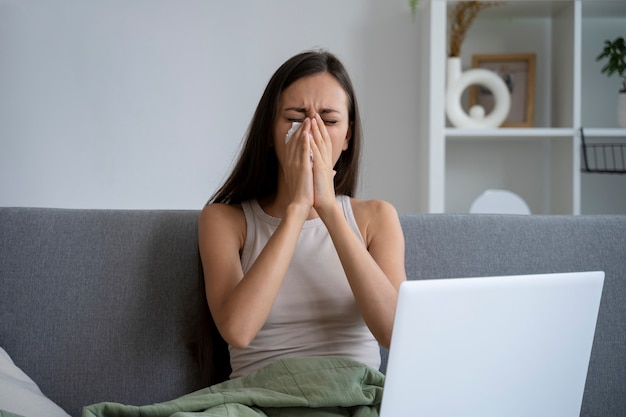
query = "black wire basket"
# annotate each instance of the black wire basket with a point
(603, 157)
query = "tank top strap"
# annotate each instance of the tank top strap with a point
(248, 212)
(344, 200)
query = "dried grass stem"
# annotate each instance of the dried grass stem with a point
(461, 17)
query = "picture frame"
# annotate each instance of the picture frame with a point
(518, 73)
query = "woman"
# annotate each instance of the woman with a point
(294, 265)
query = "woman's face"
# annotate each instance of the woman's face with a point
(322, 94)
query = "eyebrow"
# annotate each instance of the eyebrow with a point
(303, 110)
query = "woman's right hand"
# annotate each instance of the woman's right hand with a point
(297, 166)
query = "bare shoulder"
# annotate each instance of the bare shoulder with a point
(374, 217)
(221, 210)
(218, 212)
(368, 210)
(223, 221)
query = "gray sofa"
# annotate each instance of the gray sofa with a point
(101, 305)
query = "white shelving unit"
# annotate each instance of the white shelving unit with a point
(543, 163)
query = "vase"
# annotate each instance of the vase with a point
(458, 81)
(621, 109)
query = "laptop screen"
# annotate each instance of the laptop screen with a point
(492, 346)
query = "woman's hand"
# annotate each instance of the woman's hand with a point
(297, 168)
(323, 173)
(308, 166)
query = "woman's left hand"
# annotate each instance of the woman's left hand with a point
(323, 173)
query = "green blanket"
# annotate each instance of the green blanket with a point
(5, 413)
(308, 387)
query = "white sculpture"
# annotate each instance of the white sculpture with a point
(476, 119)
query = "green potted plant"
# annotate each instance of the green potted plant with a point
(614, 55)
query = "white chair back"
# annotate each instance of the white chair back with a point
(500, 202)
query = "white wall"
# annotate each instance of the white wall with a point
(143, 103)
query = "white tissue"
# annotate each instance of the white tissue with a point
(292, 130)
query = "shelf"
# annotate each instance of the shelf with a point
(542, 164)
(605, 133)
(599, 8)
(551, 8)
(509, 133)
(525, 9)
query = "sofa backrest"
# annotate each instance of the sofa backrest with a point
(466, 245)
(99, 305)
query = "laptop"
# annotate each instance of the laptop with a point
(504, 346)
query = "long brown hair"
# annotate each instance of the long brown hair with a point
(255, 175)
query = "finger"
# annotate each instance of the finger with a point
(323, 138)
(322, 127)
(304, 140)
(306, 129)
(317, 142)
(316, 122)
(318, 135)
(297, 146)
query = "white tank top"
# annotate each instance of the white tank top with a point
(315, 313)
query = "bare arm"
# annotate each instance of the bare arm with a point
(240, 304)
(374, 272)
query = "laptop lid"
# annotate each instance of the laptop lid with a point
(492, 346)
